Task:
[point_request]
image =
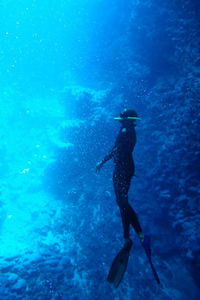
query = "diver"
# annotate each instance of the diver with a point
(124, 170)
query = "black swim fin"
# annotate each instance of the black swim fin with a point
(119, 265)
(147, 248)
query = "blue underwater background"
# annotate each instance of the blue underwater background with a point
(67, 68)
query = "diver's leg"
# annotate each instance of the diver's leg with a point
(135, 222)
(130, 214)
(121, 187)
(125, 222)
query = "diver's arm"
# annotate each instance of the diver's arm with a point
(105, 159)
(109, 155)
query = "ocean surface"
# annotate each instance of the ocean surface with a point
(67, 69)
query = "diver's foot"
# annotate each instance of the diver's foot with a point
(141, 237)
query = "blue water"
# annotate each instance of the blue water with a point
(67, 68)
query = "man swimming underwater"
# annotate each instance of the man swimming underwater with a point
(124, 170)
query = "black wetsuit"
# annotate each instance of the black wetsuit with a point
(122, 175)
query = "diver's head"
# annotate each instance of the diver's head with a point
(128, 117)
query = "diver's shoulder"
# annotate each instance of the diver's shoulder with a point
(124, 130)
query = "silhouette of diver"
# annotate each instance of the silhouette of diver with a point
(124, 170)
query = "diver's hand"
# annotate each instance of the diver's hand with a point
(99, 166)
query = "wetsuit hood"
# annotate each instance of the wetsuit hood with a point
(127, 114)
